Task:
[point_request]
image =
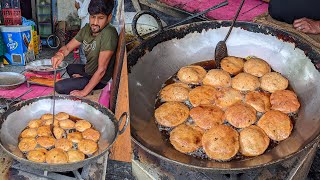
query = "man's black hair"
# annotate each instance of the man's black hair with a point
(101, 6)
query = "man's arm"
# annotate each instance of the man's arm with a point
(83, 10)
(64, 51)
(103, 61)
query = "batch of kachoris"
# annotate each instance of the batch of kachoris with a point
(58, 141)
(225, 112)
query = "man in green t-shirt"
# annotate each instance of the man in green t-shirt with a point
(99, 39)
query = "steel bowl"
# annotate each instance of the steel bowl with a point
(44, 66)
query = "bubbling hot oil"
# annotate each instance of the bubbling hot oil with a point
(200, 153)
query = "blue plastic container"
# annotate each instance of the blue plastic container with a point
(17, 40)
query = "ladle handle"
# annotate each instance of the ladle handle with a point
(234, 20)
(125, 114)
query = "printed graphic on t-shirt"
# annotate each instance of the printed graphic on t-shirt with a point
(88, 47)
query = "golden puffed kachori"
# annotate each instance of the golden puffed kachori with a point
(92, 134)
(36, 156)
(241, 115)
(285, 101)
(44, 131)
(203, 95)
(75, 137)
(27, 144)
(276, 124)
(273, 81)
(64, 144)
(47, 122)
(171, 114)
(206, 116)
(233, 65)
(228, 97)
(56, 156)
(58, 132)
(61, 116)
(258, 100)
(35, 123)
(186, 138)
(67, 124)
(46, 142)
(82, 125)
(47, 116)
(87, 146)
(253, 141)
(191, 74)
(75, 156)
(257, 67)
(217, 78)
(221, 142)
(44, 150)
(29, 133)
(245, 82)
(175, 92)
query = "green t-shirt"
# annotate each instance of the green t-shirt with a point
(107, 39)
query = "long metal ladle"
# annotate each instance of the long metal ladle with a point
(221, 50)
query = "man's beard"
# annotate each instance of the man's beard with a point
(97, 30)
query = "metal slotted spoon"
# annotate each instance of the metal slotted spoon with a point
(221, 50)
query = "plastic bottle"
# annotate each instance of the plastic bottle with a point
(105, 95)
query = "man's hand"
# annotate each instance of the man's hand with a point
(77, 5)
(79, 93)
(307, 25)
(56, 60)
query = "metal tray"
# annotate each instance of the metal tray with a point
(11, 80)
(44, 66)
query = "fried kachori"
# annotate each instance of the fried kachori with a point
(258, 100)
(27, 144)
(217, 78)
(221, 142)
(47, 116)
(186, 138)
(257, 67)
(191, 74)
(56, 156)
(175, 92)
(82, 125)
(91, 134)
(46, 142)
(75, 155)
(64, 144)
(276, 124)
(285, 101)
(36, 156)
(245, 82)
(35, 123)
(75, 137)
(87, 146)
(171, 114)
(273, 81)
(241, 115)
(44, 131)
(253, 141)
(206, 116)
(61, 116)
(233, 65)
(67, 124)
(29, 133)
(58, 132)
(228, 97)
(203, 95)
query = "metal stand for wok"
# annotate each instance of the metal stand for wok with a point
(86, 172)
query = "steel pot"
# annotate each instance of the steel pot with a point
(158, 58)
(16, 118)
